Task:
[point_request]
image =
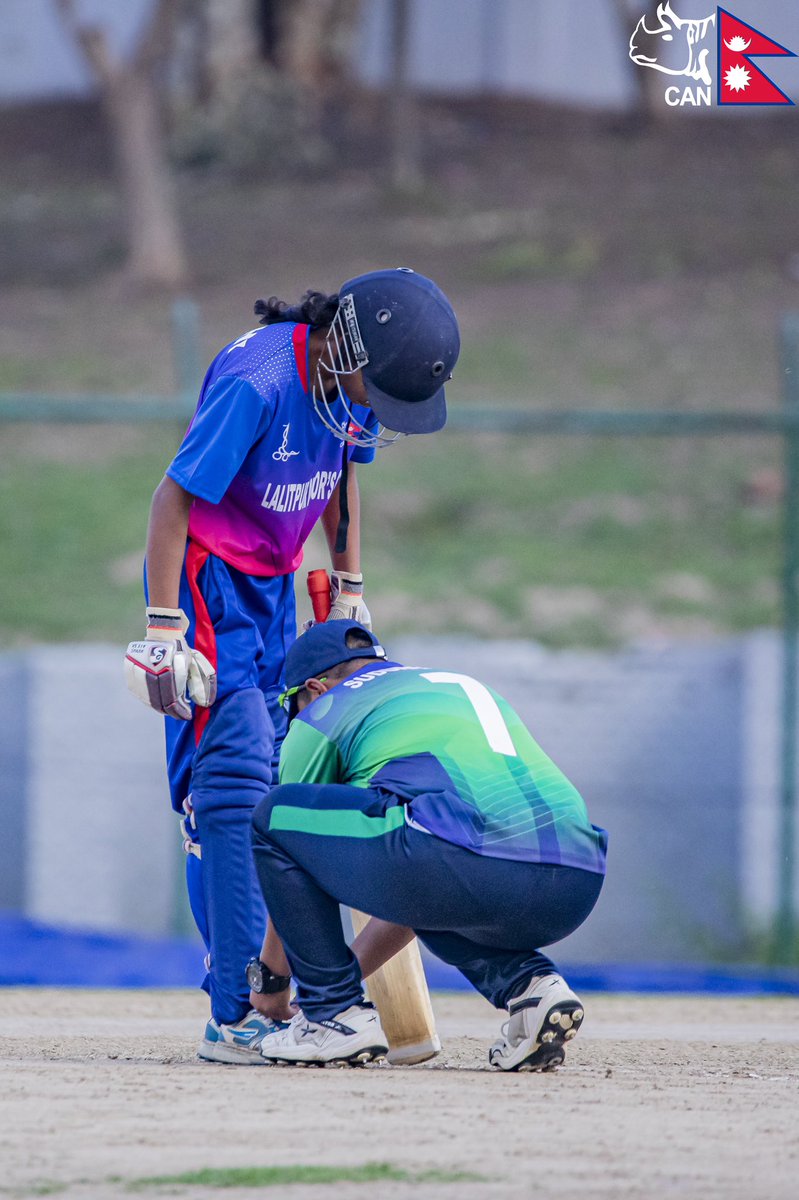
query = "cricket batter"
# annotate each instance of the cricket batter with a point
(419, 796)
(284, 413)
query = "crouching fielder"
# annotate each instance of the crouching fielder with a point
(419, 797)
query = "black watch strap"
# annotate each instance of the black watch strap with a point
(262, 981)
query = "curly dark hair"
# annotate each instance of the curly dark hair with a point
(315, 309)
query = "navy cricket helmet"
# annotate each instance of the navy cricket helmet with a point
(410, 335)
(399, 329)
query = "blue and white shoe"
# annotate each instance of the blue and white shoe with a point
(541, 1018)
(239, 1043)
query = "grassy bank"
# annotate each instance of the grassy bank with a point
(593, 541)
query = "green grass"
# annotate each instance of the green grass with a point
(535, 259)
(566, 540)
(72, 539)
(47, 1188)
(268, 1177)
(263, 1177)
(86, 371)
(607, 526)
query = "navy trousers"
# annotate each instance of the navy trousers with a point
(320, 845)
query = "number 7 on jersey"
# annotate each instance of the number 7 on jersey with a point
(485, 707)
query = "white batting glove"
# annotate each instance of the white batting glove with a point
(163, 668)
(346, 595)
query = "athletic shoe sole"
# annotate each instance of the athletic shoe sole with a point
(561, 1023)
(223, 1052)
(358, 1058)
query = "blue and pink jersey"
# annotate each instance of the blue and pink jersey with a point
(256, 457)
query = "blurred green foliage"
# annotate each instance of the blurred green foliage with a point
(593, 541)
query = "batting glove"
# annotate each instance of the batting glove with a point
(163, 668)
(346, 595)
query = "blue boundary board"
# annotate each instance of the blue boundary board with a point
(38, 955)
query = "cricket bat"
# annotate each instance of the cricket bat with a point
(398, 989)
(399, 992)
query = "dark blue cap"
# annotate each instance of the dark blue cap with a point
(324, 646)
(411, 335)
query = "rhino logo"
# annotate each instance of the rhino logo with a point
(674, 42)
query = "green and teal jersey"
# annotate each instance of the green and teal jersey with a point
(454, 755)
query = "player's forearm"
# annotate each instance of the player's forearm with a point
(275, 1005)
(166, 542)
(350, 560)
(377, 942)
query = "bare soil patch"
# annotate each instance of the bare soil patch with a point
(693, 1096)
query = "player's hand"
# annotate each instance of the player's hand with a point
(277, 1007)
(346, 595)
(164, 672)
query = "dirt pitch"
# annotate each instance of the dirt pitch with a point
(659, 1097)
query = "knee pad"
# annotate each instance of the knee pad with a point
(232, 766)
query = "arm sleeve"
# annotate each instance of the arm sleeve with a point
(231, 417)
(307, 756)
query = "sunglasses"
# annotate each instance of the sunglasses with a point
(288, 699)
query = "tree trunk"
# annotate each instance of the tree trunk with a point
(232, 41)
(405, 169)
(648, 104)
(130, 98)
(316, 47)
(155, 245)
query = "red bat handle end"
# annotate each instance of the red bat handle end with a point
(319, 591)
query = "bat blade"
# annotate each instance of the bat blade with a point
(399, 991)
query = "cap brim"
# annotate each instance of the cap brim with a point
(406, 416)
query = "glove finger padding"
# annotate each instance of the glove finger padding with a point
(347, 607)
(201, 680)
(156, 672)
(346, 594)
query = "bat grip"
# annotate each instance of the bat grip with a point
(319, 591)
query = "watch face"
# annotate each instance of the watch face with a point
(255, 976)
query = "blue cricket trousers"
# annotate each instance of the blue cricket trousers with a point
(223, 761)
(319, 845)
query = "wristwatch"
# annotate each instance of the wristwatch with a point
(262, 981)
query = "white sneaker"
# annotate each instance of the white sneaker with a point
(238, 1043)
(544, 1016)
(355, 1037)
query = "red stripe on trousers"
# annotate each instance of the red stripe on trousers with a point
(204, 634)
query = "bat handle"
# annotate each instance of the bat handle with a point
(319, 591)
